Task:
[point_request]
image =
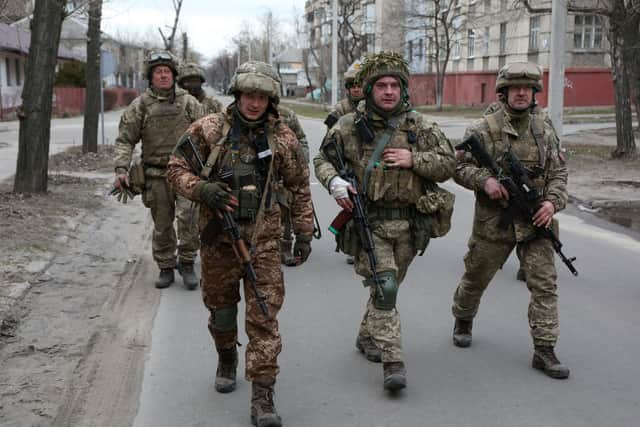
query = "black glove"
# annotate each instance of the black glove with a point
(216, 195)
(302, 248)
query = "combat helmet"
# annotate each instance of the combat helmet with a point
(382, 64)
(350, 76)
(256, 76)
(160, 57)
(190, 69)
(520, 73)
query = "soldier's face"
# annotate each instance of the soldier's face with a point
(162, 77)
(253, 105)
(386, 93)
(192, 84)
(355, 91)
(519, 97)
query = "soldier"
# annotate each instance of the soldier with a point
(289, 117)
(191, 78)
(397, 158)
(347, 105)
(157, 118)
(516, 123)
(249, 140)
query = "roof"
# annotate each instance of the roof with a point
(289, 55)
(17, 40)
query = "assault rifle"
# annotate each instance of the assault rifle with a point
(192, 156)
(358, 213)
(524, 199)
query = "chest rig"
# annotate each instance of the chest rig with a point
(529, 147)
(244, 166)
(388, 187)
(164, 122)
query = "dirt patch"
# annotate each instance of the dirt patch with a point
(74, 160)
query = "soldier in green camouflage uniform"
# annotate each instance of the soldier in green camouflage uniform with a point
(157, 118)
(191, 78)
(520, 125)
(289, 117)
(261, 151)
(395, 174)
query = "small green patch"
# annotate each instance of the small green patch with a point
(595, 150)
(307, 110)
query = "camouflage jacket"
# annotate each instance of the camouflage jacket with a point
(289, 117)
(210, 104)
(158, 121)
(497, 135)
(432, 154)
(287, 163)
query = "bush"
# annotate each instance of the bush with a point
(71, 74)
(129, 95)
(110, 98)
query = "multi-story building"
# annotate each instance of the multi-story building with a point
(486, 34)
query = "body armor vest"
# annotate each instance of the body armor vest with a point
(164, 123)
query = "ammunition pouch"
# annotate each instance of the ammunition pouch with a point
(348, 240)
(248, 203)
(136, 176)
(421, 227)
(438, 204)
(364, 131)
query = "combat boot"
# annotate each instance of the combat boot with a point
(286, 257)
(462, 332)
(188, 274)
(395, 376)
(165, 279)
(367, 347)
(263, 411)
(544, 359)
(521, 276)
(226, 372)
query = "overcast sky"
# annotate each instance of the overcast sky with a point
(210, 24)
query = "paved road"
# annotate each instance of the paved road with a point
(325, 382)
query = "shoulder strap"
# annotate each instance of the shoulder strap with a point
(494, 121)
(537, 129)
(213, 156)
(381, 141)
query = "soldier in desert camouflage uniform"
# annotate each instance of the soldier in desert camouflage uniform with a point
(515, 123)
(412, 159)
(250, 140)
(157, 118)
(191, 78)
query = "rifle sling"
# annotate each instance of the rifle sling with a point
(381, 141)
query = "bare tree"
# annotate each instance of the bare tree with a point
(623, 20)
(221, 69)
(169, 40)
(94, 80)
(35, 112)
(352, 43)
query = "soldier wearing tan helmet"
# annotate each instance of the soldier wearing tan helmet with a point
(514, 123)
(260, 151)
(157, 118)
(191, 78)
(397, 158)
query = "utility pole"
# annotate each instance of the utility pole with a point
(334, 54)
(556, 64)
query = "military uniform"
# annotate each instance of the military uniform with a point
(260, 154)
(157, 119)
(191, 73)
(531, 137)
(392, 196)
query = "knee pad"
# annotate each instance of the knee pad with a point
(385, 294)
(224, 319)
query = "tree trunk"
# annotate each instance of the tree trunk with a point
(626, 146)
(35, 112)
(94, 80)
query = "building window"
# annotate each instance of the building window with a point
(503, 5)
(472, 7)
(18, 73)
(503, 38)
(587, 33)
(534, 32)
(487, 6)
(455, 50)
(420, 49)
(410, 50)
(485, 42)
(7, 67)
(471, 43)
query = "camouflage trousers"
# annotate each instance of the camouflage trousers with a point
(221, 275)
(167, 206)
(394, 251)
(482, 261)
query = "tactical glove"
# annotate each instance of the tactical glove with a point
(302, 248)
(123, 194)
(339, 188)
(215, 195)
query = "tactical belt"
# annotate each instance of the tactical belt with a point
(379, 213)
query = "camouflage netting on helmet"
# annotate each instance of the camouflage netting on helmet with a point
(160, 57)
(383, 64)
(519, 74)
(190, 70)
(352, 72)
(256, 76)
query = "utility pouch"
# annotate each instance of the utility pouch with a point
(438, 203)
(249, 203)
(364, 131)
(136, 176)
(347, 239)
(421, 230)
